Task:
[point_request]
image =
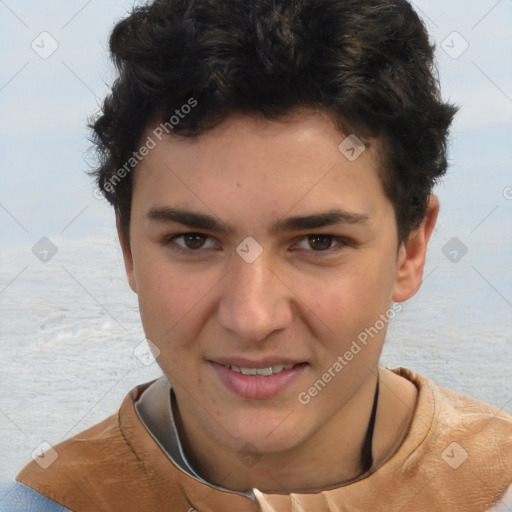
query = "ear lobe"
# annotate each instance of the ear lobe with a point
(127, 255)
(411, 259)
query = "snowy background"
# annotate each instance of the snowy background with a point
(70, 326)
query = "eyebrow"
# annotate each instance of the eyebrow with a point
(298, 223)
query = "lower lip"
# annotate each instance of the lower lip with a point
(257, 387)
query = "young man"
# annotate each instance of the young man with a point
(271, 165)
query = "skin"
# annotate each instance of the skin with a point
(248, 172)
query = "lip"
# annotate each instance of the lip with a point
(257, 387)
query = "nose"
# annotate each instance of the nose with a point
(255, 301)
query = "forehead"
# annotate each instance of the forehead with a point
(254, 163)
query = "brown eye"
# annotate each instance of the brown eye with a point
(194, 241)
(319, 246)
(187, 243)
(320, 242)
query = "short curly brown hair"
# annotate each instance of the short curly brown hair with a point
(368, 63)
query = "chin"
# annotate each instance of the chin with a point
(263, 436)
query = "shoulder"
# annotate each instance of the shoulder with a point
(455, 412)
(20, 498)
(467, 448)
(76, 460)
(91, 463)
(479, 433)
(474, 420)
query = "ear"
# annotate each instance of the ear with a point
(127, 255)
(412, 253)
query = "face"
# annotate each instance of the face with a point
(258, 245)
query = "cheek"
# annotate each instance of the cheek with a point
(163, 317)
(164, 298)
(355, 299)
(172, 306)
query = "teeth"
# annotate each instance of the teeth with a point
(262, 371)
(248, 371)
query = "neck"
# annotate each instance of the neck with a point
(320, 466)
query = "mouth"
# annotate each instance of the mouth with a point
(265, 372)
(253, 381)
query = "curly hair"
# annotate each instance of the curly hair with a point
(368, 63)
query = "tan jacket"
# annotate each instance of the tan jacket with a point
(457, 456)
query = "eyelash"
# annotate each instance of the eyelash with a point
(315, 254)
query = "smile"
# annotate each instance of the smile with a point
(265, 372)
(262, 383)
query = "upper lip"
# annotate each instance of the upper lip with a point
(242, 362)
